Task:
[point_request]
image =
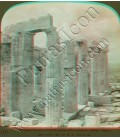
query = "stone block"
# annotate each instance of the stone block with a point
(110, 118)
(113, 117)
(91, 104)
(100, 100)
(117, 109)
(116, 104)
(117, 96)
(34, 121)
(15, 114)
(116, 125)
(8, 121)
(75, 123)
(102, 110)
(116, 100)
(5, 121)
(92, 120)
(28, 122)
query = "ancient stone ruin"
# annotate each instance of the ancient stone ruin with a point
(25, 82)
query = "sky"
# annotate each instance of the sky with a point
(105, 25)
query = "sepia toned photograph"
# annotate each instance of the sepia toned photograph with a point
(60, 66)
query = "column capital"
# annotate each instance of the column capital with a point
(105, 50)
(93, 46)
(80, 42)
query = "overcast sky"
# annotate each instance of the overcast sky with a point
(65, 14)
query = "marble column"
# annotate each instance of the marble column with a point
(95, 71)
(5, 76)
(98, 69)
(25, 86)
(102, 71)
(53, 72)
(82, 76)
(39, 82)
(100, 65)
(39, 77)
(106, 75)
(70, 93)
(14, 66)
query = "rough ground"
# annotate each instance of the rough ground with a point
(108, 116)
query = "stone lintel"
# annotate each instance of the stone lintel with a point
(81, 42)
(33, 25)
